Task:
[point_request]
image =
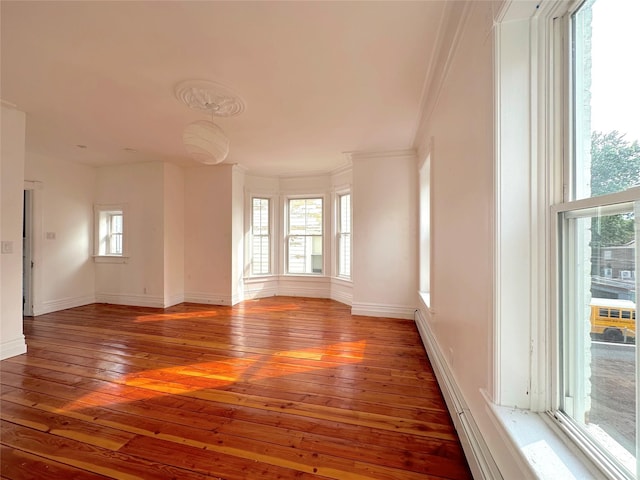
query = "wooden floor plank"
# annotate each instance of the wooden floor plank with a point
(272, 388)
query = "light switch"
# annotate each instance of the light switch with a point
(50, 235)
(7, 246)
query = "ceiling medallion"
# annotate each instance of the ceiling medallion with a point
(209, 97)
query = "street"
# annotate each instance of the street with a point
(613, 395)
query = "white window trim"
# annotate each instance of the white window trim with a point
(284, 243)
(271, 235)
(100, 256)
(530, 121)
(338, 192)
(273, 229)
(425, 172)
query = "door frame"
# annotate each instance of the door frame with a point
(32, 244)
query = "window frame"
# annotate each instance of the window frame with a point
(425, 222)
(269, 235)
(572, 199)
(340, 234)
(286, 234)
(103, 215)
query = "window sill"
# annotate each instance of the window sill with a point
(260, 278)
(426, 299)
(344, 280)
(543, 446)
(110, 259)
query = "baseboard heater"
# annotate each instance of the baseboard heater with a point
(479, 457)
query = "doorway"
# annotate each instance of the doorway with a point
(27, 254)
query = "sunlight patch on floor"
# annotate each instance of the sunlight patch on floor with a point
(183, 379)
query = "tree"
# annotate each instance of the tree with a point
(615, 163)
(615, 166)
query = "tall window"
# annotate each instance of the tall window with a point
(304, 235)
(344, 235)
(109, 232)
(114, 233)
(599, 226)
(425, 226)
(260, 238)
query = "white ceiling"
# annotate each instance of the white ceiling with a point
(318, 78)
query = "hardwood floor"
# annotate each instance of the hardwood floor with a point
(274, 388)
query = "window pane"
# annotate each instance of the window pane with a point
(599, 351)
(607, 100)
(260, 244)
(305, 254)
(260, 259)
(344, 253)
(344, 235)
(116, 223)
(260, 225)
(345, 213)
(114, 244)
(305, 216)
(305, 236)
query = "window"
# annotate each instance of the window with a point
(425, 227)
(110, 230)
(344, 235)
(304, 235)
(598, 225)
(260, 236)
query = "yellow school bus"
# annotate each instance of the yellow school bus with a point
(613, 320)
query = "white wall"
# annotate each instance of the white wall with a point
(64, 274)
(139, 281)
(237, 235)
(461, 128)
(458, 132)
(385, 235)
(208, 234)
(11, 194)
(173, 234)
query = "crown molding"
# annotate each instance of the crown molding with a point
(370, 155)
(454, 18)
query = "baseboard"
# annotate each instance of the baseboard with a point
(342, 297)
(208, 298)
(172, 300)
(132, 300)
(479, 457)
(381, 310)
(252, 294)
(14, 347)
(62, 304)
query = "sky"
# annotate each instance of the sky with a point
(615, 88)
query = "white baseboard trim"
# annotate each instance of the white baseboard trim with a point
(62, 304)
(129, 299)
(172, 300)
(14, 347)
(252, 294)
(342, 297)
(208, 298)
(382, 310)
(479, 457)
(310, 292)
